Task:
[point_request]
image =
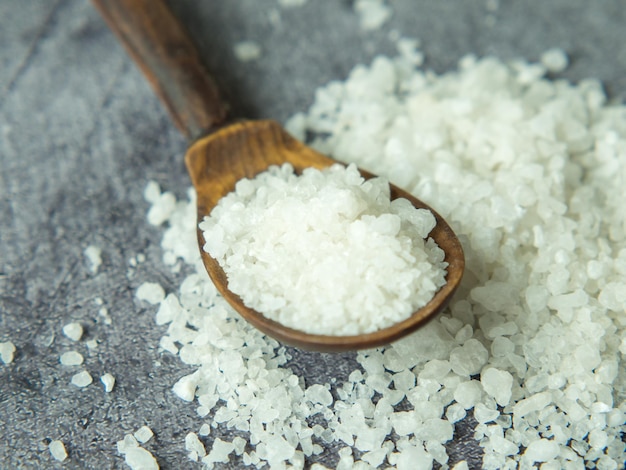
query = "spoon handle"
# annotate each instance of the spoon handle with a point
(166, 55)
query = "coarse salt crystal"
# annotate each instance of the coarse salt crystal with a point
(555, 60)
(7, 352)
(151, 292)
(73, 331)
(57, 450)
(71, 358)
(246, 51)
(93, 254)
(143, 434)
(194, 446)
(82, 379)
(108, 381)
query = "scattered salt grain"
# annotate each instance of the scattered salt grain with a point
(7, 352)
(303, 250)
(151, 292)
(108, 381)
(73, 331)
(71, 358)
(143, 434)
(555, 60)
(204, 430)
(219, 453)
(162, 207)
(137, 458)
(247, 51)
(57, 450)
(93, 254)
(372, 13)
(194, 446)
(82, 379)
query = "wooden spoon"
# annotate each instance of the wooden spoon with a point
(221, 154)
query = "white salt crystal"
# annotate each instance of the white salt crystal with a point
(7, 352)
(186, 386)
(161, 209)
(194, 446)
(503, 446)
(484, 414)
(108, 381)
(82, 379)
(151, 292)
(239, 444)
(532, 403)
(93, 254)
(455, 412)
(541, 450)
(318, 394)
(469, 358)
(57, 450)
(71, 358)
(204, 430)
(372, 13)
(497, 383)
(143, 434)
(138, 458)
(555, 60)
(73, 331)
(220, 451)
(152, 192)
(246, 51)
(413, 458)
(468, 394)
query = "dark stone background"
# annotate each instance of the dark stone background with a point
(80, 136)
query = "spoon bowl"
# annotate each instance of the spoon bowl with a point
(220, 155)
(215, 163)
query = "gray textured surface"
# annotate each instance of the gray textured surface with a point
(81, 134)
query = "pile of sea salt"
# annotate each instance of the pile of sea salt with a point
(532, 173)
(325, 252)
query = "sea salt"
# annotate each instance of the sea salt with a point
(151, 292)
(136, 457)
(143, 434)
(325, 252)
(93, 255)
(372, 13)
(108, 381)
(71, 358)
(246, 51)
(73, 331)
(82, 379)
(555, 60)
(7, 352)
(57, 450)
(530, 174)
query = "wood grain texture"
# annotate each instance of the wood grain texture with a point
(166, 55)
(243, 150)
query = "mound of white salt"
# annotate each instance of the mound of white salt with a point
(533, 173)
(325, 252)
